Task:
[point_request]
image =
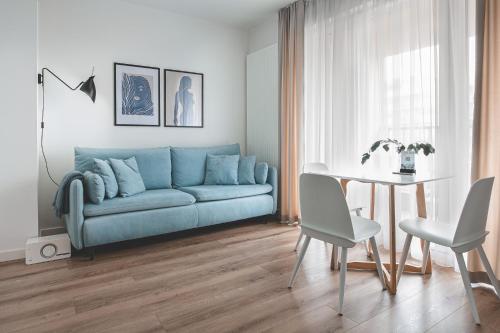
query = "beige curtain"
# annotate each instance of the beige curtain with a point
(291, 48)
(486, 147)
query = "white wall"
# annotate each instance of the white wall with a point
(18, 128)
(263, 34)
(74, 35)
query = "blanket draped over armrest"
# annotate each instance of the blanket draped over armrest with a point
(61, 199)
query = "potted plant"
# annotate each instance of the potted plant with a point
(407, 152)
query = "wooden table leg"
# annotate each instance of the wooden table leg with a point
(334, 261)
(422, 212)
(392, 241)
(372, 216)
(372, 202)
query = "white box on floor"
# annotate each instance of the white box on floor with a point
(48, 248)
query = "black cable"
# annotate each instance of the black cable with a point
(41, 136)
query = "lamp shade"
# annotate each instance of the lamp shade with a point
(88, 87)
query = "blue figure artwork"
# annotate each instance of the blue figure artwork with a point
(184, 104)
(136, 96)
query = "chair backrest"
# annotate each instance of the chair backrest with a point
(323, 206)
(472, 222)
(315, 167)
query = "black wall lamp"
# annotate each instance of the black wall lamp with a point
(88, 87)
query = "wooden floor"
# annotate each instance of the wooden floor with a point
(227, 279)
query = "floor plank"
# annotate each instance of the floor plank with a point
(229, 278)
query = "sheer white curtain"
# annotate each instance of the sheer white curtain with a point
(401, 69)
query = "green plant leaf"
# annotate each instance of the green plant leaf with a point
(386, 147)
(375, 145)
(401, 149)
(426, 148)
(365, 158)
(411, 147)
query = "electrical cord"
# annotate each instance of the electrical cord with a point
(42, 125)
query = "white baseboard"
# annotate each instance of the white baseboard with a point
(9, 255)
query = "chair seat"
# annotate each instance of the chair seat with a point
(364, 228)
(434, 232)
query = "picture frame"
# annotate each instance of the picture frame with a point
(183, 99)
(136, 95)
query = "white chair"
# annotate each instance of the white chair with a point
(325, 216)
(467, 235)
(318, 167)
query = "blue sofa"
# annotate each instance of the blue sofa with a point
(175, 198)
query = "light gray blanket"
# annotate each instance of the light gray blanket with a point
(61, 199)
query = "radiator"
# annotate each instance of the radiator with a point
(263, 105)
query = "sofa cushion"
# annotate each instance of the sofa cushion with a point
(154, 163)
(188, 164)
(261, 170)
(103, 169)
(224, 192)
(128, 176)
(246, 170)
(98, 230)
(151, 199)
(222, 170)
(93, 187)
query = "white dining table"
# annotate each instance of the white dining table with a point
(391, 180)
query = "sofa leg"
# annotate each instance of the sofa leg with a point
(91, 253)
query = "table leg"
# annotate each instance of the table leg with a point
(392, 241)
(422, 212)
(369, 250)
(334, 261)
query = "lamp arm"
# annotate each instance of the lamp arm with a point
(41, 79)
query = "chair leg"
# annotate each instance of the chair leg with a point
(468, 288)
(299, 260)
(366, 242)
(377, 262)
(489, 271)
(425, 254)
(404, 256)
(343, 269)
(298, 240)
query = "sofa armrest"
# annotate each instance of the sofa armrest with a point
(272, 179)
(74, 219)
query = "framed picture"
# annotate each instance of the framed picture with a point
(183, 94)
(137, 95)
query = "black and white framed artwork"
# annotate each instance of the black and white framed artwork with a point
(137, 95)
(183, 97)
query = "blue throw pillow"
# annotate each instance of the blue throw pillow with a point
(94, 187)
(222, 170)
(246, 167)
(103, 169)
(128, 176)
(261, 170)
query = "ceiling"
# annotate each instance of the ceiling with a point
(241, 14)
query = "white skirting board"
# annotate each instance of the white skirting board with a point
(9, 255)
